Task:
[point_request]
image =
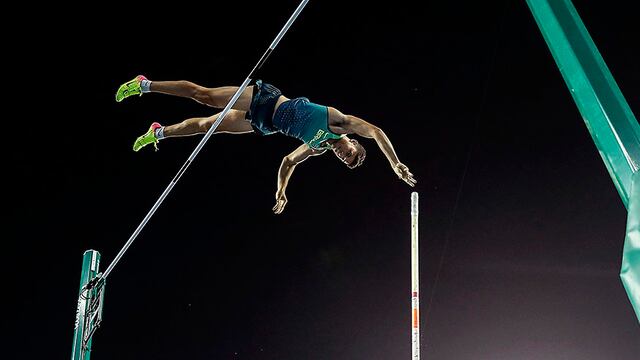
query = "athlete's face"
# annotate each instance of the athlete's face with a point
(345, 150)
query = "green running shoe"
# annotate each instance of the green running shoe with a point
(148, 138)
(131, 87)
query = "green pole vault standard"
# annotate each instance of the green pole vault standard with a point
(606, 113)
(89, 311)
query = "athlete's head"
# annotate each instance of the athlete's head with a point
(349, 151)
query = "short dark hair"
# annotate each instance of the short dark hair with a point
(362, 153)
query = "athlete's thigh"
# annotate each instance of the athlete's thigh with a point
(234, 122)
(220, 96)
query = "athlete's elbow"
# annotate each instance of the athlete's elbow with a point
(375, 132)
(288, 161)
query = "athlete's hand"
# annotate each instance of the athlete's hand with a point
(404, 174)
(281, 202)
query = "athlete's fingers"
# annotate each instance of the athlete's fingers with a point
(410, 180)
(279, 206)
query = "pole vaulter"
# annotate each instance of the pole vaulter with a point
(92, 283)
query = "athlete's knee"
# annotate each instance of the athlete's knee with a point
(203, 95)
(206, 123)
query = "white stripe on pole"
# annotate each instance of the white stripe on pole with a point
(206, 137)
(415, 280)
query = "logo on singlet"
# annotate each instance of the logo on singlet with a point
(317, 136)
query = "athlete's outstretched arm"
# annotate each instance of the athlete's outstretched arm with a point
(286, 169)
(353, 124)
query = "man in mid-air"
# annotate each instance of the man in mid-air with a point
(263, 109)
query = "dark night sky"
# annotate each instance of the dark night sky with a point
(515, 198)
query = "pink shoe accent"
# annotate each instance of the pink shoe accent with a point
(155, 126)
(141, 77)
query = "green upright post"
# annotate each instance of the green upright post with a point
(612, 125)
(630, 272)
(606, 113)
(89, 311)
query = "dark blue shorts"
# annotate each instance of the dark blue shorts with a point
(265, 97)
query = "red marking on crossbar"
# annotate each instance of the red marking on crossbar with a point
(414, 294)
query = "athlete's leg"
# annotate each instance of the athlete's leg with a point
(216, 97)
(233, 123)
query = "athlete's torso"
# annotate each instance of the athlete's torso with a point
(306, 121)
(335, 129)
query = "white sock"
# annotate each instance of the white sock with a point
(145, 86)
(159, 133)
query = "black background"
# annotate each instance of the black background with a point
(521, 226)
